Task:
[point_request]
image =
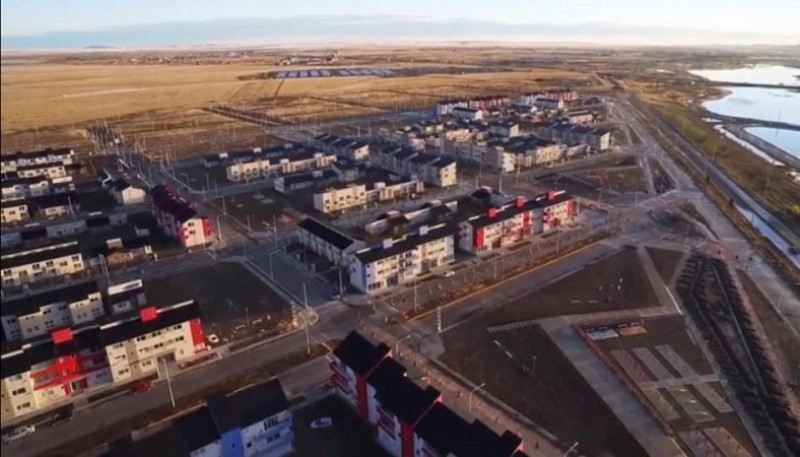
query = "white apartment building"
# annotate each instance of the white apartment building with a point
(14, 188)
(14, 211)
(264, 167)
(28, 266)
(61, 228)
(473, 114)
(38, 374)
(343, 147)
(398, 261)
(523, 152)
(358, 195)
(10, 163)
(326, 241)
(439, 171)
(506, 129)
(178, 218)
(47, 170)
(136, 345)
(31, 316)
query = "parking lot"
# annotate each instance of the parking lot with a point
(234, 302)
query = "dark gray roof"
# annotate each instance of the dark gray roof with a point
(135, 327)
(10, 182)
(449, 434)
(53, 200)
(120, 184)
(32, 303)
(379, 252)
(59, 250)
(325, 233)
(298, 178)
(424, 158)
(38, 166)
(360, 354)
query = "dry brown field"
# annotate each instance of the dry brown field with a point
(51, 104)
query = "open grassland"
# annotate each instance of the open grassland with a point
(159, 106)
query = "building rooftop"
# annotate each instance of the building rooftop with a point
(166, 201)
(123, 330)
(326, 233)
(406, 400)
(449, 434)
(32, 303)
(27, 256)
(38, 154)
(38, 166)
(360, 354)
(298, 178)
(404, 244)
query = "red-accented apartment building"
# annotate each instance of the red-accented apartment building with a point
(503, 226)
(71, 361)
(178, 218)
(354, 360)
(409, 420)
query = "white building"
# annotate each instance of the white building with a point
(10, 163)
(263, 167)
(47, 170)
(32, 265)
(506, 129)
(358, 195)
(14, 211)
(439, 171)
(473, 114)
(125, 194)
(36, 315)
(399, 261)
(343, 147)
(326, 241)
(178, 218)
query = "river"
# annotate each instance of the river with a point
(761, 103)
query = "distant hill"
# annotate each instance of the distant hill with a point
(357, 29)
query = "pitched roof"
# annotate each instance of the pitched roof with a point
(125, 330)
(385, 376)
(20, 361)
(326, 233)
(404, 245)
(32, 303)
(406, 400)
(41, 254)
(360, 354)
(448, 433)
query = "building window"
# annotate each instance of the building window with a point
(19, 391)
(21, 406)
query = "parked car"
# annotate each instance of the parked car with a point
(322, 422)
(213, 338)
(19, 433)
(448, 273)
(141, 386)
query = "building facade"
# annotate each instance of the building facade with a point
(326, 241)
(33, 265)
(178, 218)
(399, 261)
(72, 361)
(354, 359)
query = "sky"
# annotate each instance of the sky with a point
(32, 17)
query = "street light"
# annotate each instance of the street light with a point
(397, 344)
(571, 448)
(472, 392)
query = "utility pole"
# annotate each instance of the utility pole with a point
(471, 393)
(169, 384)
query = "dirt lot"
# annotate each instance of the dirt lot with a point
(557, 397)
(666, 261)
(672, 331)
(263, 207)
(349, 435)
(783, 340)
(557, 387)
(229, 295)
(575, 293)
(676, 223)
(629, 179)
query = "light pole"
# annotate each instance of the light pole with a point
(472, 392)
(397, 344)
(269, 259)
(571, 448)
(169, 384)
(308, 336)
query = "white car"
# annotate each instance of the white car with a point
(213, 338)
(322, 422)
(448, 273)
(19, 433)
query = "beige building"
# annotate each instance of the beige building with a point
(399, 261)
(48, 170)
(14, 211)
(263, 168)
(31, 316)
(28, 266)
(358, 195)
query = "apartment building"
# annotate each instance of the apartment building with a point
(445, 107)
(429, 127)
(32, 316)
(178, 219)
(252, 422)
(342, 147)
(354, 359)
(409, 420)
(357, 195)
(513, 222)
(15, 188)
(27, 266)
(14, 211)
(441, 432)
(512, 154)
(122, 191)
(326, 241)
(262, 167)
(296, 182)
(40, 231)
(398, 261)
(71, 361)
(439, 171)
(10, 163)
(580, 116)
(396, 405)
(598, 139)
(505, 129)
(46, 170)
(472, 114)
